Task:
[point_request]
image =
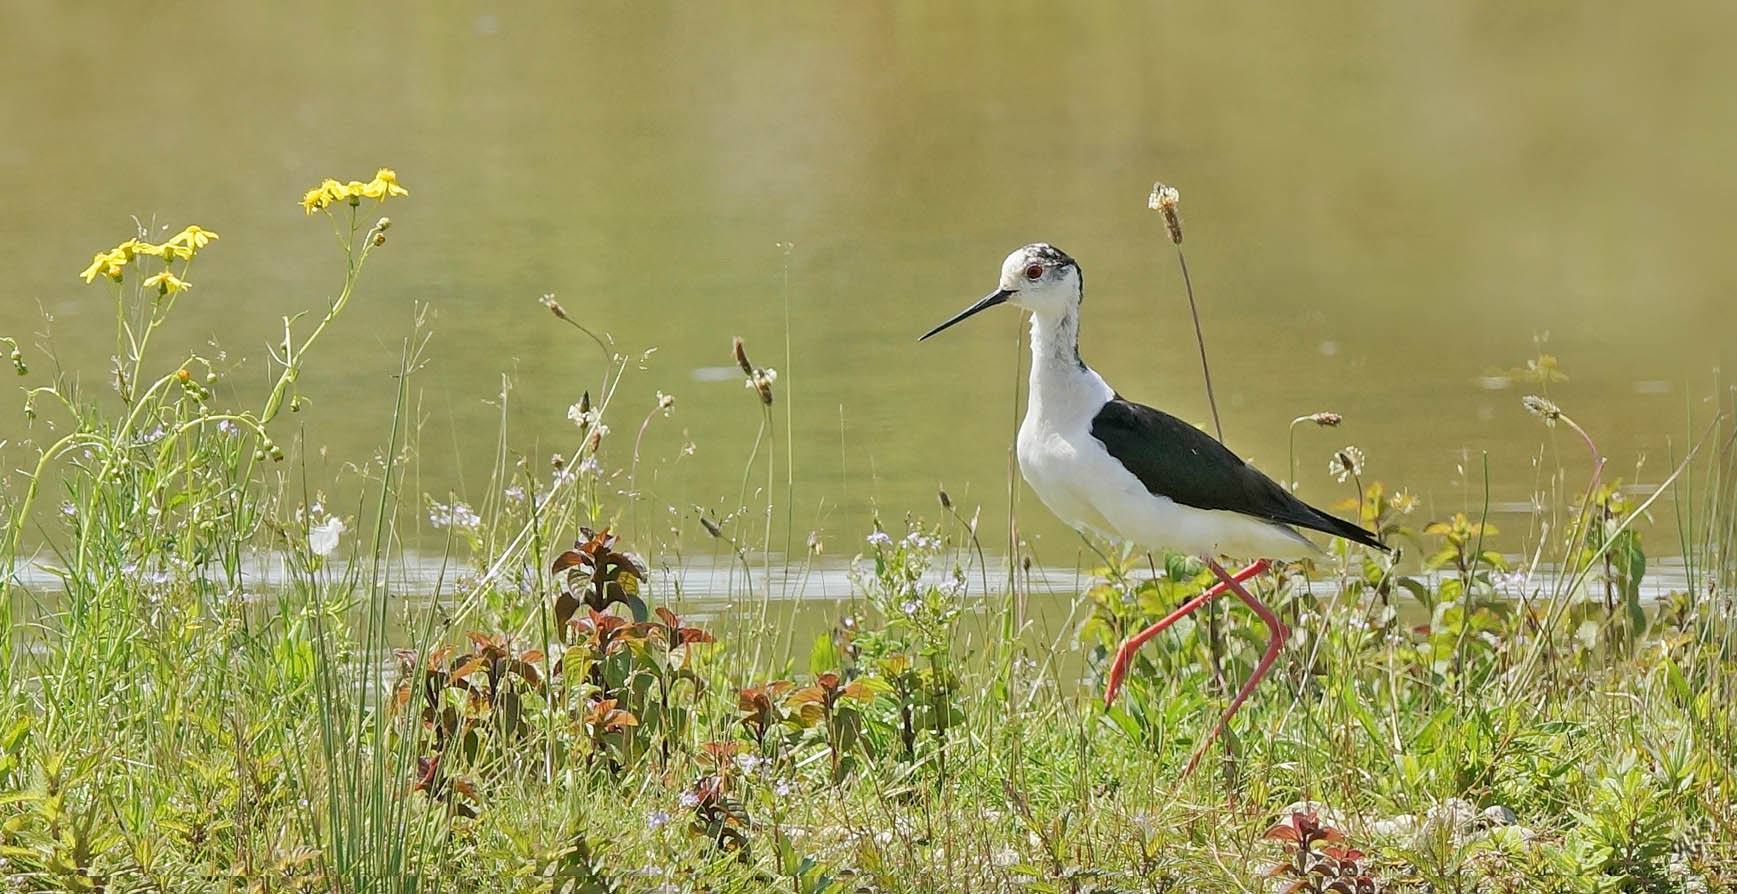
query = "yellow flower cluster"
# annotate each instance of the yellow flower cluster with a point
(330, 192)
(181, 246)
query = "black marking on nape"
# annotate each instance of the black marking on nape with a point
(1050, 255)
(1176, 460)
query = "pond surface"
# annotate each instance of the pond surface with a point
(1385, 207)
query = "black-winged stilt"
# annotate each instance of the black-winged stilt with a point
(1130, 472)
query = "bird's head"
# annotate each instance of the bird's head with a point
(1038, 277)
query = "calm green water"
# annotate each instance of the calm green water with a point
(1384, 204)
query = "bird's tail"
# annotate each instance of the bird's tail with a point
(1339, 527)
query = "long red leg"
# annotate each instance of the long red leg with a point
(1276, 642)
(1125, 654)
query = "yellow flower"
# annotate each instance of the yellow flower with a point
(168, 283)
(168, 251)
(129, 248)
(314, 199)
(385, 183)
(194, 238)
(326, 193)
(106, 263)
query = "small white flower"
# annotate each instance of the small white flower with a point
(656, 819)
(917, 541)
(1513, 580)
(952, 588)
(457, 515)
(783, 788)
(1345, 463)
(323, 537)
(909, 607)
(689, 799)
(880, 538)
(1163, 196)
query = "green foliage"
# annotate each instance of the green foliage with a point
(548, 722)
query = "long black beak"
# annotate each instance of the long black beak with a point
(997, 297)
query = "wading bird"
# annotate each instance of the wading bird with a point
(1126, 471)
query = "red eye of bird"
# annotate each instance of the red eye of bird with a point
(1034, 271)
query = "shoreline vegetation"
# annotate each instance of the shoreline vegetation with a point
(1453, 718)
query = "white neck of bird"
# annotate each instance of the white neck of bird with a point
(1059, 379)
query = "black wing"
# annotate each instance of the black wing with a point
(1176, 460)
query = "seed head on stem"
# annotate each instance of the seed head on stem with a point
(740, 350)
(1542, 408)
(759, 380)
(1164, 200)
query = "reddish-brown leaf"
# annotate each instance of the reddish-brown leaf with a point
(470, 664)
(1283, 832)
(566, 560)
(808, 695)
